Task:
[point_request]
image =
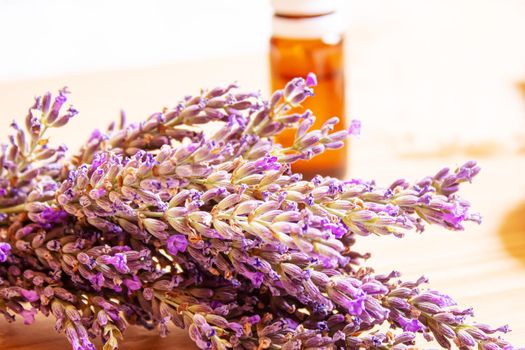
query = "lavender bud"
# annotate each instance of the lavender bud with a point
(311, 79)
(465, 338)
(57, 105)
(304, 126)
(406, 337)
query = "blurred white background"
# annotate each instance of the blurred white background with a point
(426, 64)
(433, 81)
(43, 38)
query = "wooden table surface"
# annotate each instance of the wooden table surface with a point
(484, 266)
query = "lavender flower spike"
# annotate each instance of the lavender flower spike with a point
(162, 222)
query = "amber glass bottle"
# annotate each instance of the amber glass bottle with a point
(307, 37)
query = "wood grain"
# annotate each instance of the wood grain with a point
(483, 266)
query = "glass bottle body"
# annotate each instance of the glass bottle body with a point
(296, 57)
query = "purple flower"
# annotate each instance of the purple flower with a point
(53, 215)
(268, 163)
(119, 260)
(310, 200)
(374, 288)
(337, 229)
(490, 330)
(456, 215)
(133, 284)
(467, 171)
(57, 105)
(176, 244)
(410, 325)
(256, 278)
(5, 248)
(311, 79)
(96, 280)
(404, 337)
(448, 183)
(30, 295)
(357, 305)
(440, 299)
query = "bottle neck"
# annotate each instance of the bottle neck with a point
(307, 27)
(305, 8)
(302, 16)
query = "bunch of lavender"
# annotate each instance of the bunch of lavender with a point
(164, 222)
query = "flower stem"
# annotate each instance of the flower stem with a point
(153, 214)
(28, 158)
(13, 210)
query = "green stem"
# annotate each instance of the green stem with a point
(13, 210)
(28, 157)
(153, 214)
